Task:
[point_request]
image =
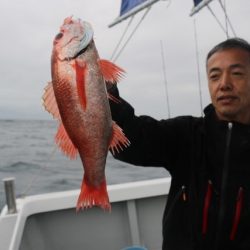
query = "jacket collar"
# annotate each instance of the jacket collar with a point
(210, 116)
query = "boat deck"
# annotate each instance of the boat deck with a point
(50, 221)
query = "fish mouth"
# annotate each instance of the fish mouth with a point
(84, 42)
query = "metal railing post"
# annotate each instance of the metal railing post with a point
(9, 186)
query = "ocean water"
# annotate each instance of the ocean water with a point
(28, 153)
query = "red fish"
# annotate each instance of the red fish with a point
(77, 98)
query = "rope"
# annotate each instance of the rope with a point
(35, 177)
(119, 53)
(116, 48)
(198, 66)
(218, 21)
(118, 44)
(227, 18)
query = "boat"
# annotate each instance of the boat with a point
(50, 221)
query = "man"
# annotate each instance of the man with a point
(208, 157)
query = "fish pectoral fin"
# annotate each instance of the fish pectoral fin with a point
(111, 72)
(49, 101)
(118, 139)
(64, 143)
(80, 68)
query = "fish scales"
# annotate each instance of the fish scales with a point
(89, 136)
(78, 92)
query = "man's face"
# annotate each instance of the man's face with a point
(228, 74)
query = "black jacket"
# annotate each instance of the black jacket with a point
(208, 205)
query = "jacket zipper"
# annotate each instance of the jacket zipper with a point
(184, 195)
(223, 187)
(237, 214)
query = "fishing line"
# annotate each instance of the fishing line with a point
(35, 177)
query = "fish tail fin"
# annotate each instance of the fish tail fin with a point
(93, 196)
(118, 139)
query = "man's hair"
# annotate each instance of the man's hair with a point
(232, 43)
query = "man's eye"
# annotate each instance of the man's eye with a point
(214, 77)
(238, 73)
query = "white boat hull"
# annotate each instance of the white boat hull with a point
(50, 221)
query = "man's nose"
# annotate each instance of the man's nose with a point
(226, 82)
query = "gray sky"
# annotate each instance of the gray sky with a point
(28, 28)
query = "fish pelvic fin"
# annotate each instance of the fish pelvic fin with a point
(111, 72)
(118, 139)
(93, 196)
(49, 101)
(64, 143)
(80, 68)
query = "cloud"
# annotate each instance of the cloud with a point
(28, 28)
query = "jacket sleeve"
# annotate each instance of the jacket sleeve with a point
(153, 142)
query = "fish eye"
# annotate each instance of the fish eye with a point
(59, 36)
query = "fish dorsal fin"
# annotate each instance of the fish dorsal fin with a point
(111, 72)
(118, 139)
(80, 68)
(64, 143)
(49, 101)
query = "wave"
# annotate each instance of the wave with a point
(7, 120)
(6, 146)
(19, 166)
